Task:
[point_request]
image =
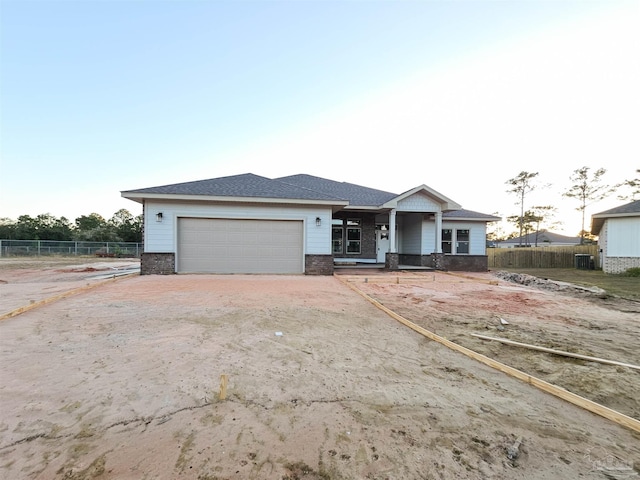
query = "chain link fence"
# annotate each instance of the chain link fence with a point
(15, 248)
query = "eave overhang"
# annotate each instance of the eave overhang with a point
(472, 219)
(141, 197)
(597, 220)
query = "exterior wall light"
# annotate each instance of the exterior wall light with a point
(159, 217)
(318, 221)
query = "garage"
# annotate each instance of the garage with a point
(217, 245)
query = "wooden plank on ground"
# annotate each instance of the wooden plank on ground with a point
(591, 406)
(60, 296)
(556, 352)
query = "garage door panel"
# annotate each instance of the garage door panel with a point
(240, 246)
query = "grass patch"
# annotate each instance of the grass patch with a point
(619, 285)
(631, 272)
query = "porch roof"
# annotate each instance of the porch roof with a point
(470, 215)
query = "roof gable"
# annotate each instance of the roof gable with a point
(445, 202)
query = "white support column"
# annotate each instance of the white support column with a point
(392, 232)
(438, 245)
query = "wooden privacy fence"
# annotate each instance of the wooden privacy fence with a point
(540, 257)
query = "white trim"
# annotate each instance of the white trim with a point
(474, 219)
(139, 197)
(613, 215)
(367, 208)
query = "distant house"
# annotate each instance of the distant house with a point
(618, 231)
(541, 238)
(303, 224)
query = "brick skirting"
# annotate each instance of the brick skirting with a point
(318, 264)
(157, 263)
(465, 263)
(619, 264)
(441, 261)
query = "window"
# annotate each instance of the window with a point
(354, 235)
(446, 240)
(462, 241)
(336, 239)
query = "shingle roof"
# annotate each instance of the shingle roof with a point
(631, 209)
(246, 185)
(356, 194)
(469, 214)
(543, 237)
(293, 187)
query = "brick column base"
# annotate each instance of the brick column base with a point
(391, 261)
(318, 264)
(438, 261)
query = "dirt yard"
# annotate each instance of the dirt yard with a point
(122, 380)
(552, 315)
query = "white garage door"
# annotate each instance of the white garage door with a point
(239, 246)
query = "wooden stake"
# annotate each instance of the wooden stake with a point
(556, 352)
(223, 386)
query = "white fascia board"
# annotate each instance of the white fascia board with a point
(367, 207)
(616, 215)
(475, 219)
(139, 197)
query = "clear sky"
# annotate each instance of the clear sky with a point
(102, 96)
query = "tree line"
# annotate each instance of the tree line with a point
(121, 227)
(585, 187)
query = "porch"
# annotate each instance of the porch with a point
(354, 268)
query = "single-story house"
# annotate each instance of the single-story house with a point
(303, 224)
(541, 238)
(618, 231)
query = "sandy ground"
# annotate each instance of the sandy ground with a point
(568, 319)
(122, 381)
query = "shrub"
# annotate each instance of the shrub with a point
(632, 272)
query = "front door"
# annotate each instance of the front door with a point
(382, 245)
